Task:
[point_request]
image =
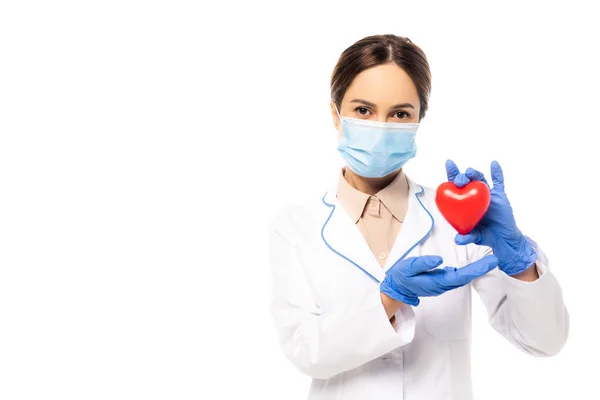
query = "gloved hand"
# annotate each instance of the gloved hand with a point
(415, 277)
(497, 229)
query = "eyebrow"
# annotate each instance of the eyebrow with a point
(368, 103)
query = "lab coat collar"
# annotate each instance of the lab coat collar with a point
(344, 238)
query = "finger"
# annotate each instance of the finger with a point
(461, 180)
(451, 170)
(474, 236)
(461, 276)
(497, 176)
(422, 264)
(475, 175)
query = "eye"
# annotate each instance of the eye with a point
(402, 115)
(362, 110)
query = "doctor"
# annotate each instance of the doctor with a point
(371, 286)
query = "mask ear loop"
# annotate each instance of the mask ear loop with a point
(338, 114)
(336, 110)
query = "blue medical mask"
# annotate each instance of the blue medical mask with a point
(374, 149)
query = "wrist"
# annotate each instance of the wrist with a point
(521, 259)
(388, 293)
(529, 275)
(390, 305)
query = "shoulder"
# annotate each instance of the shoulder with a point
(425, 194)
(428, 192)
(300, 219)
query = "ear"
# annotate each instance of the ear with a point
(336, 120)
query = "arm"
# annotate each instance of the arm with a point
(323, 344)
(530, 314)
(526, 309)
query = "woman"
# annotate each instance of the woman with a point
(371, 286)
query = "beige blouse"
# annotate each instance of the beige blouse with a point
(378, 217)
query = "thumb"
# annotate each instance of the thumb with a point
(472, 237)
(462, 276)
(418, 265)
(461, 180)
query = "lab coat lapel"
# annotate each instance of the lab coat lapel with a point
(344, 238)
(417, 225)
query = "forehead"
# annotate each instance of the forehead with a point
(387, 83)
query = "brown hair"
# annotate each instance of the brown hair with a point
(382, 49)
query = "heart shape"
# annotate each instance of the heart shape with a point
(463, 207)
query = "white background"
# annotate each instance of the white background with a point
(144, 145)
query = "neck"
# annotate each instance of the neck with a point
(369, 185)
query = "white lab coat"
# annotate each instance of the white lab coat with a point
(332, 326)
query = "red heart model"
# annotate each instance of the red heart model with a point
(463, 207)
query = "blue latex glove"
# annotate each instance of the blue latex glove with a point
(415, 277)
(497, 229)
